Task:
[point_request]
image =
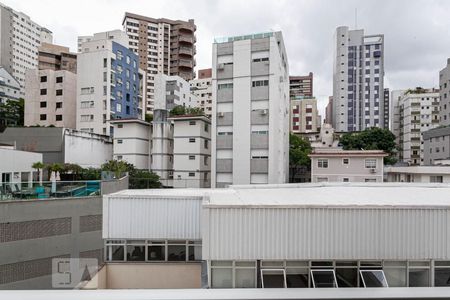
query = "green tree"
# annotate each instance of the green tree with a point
(148, 118)
(118, 167)
(143, 179)
(12, 113)
(180, 110)
(373, 138)
(299, 149)
(38, 166)
(54, 167)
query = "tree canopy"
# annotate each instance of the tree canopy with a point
(299, 148)
(12, 113)
(371, 139)
(181, 110)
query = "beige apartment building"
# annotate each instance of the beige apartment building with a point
(202, 88)
(337, 165)
(304, 116)
(164, 47)
(55, 57)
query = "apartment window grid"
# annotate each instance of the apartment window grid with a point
(153, 250)
(370, 163)
(300, 274)
(322, 163)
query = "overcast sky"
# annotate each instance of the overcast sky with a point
(417, 33)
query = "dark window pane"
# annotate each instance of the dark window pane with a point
(347, 277)
(176, 253)
(273, 279)
(117, 253)
(323, 278)
(156, 253)
(442, 277)
(373, 278)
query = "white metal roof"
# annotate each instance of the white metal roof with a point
(160, 193)
(333, 195)
(323, 293)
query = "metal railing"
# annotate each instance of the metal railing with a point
(49, 189)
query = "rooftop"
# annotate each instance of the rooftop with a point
(220, 40)
(418, 169)
(341, 152)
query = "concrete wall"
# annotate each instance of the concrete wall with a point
(32, 232)
(148, 276)
(112, 186)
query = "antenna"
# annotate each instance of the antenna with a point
(356, 18)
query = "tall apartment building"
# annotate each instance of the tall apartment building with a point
(250, 116)
(444, 91)
(329, 111)
(191, 151)
(164, 47)
(9, 87)
(358, 80)
(20, 38)
(386, 109)
(171, 91)
(108, 85)
(304, 116)
(301, 86)
(202, 88)
(418, 113)
(394, 122)
(55, 57)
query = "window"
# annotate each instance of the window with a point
(442, 273)
(43, 91)
(58, 104)
(373, 278)
(87, 91)
(225, 86)
(128, 59)
(370, 163)
(119, 107)
(273, 278)
(191, 122)
(345, 179)
(260, 59)
(205, 161)
(43, 78)
(43, 117)
(370, 180)
(345, 161)
(59, 118)
(206, 144)
(191, 174)
(323, 278)
(322, 179)
(59, 92)
(436, 178)
(43, 104)
(119, 141)
(156, 251)
(257, 83)
(191, 157)
(135, 252)
(206, 127)
(59, 79)
(322, 163)
(120, 126)
(105, 62)
(191, 140)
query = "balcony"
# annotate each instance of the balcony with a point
(185, 63)
(185, 51)
(186, 39)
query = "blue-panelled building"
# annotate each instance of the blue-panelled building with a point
(125, 83)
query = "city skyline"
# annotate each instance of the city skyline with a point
(308, 50)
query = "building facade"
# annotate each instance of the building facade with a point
(191, 152)
(131, 142)
(444, 91)
(9, 87)
(304, 116)
(171, 91)
(250, 116)
(20, 38)
(436, 146)
(108, 85)
(358, 80)
(301, 86)
(418, 113)
(337, 165)
(329, 111)
(55, 57)
(387, 109)
(164, 47)
(50, 98)
(423, 174)
(202, 88)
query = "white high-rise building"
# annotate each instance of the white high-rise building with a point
(358, 80)
(250, 115)
(20, 38)
(202, 88)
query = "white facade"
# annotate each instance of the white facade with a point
(94, 90)
(358, 91)
(161, 152)
(337, 165)
(132, 142)
(418, 112)
(250, 115)
(202, 88)
(423, 174)
(9, 87)
(86, 149)
(16, 165)
(20, 38)
(191, 152)
(50, 98)
(171, 91)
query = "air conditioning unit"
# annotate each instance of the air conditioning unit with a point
(264, 112)
(373, 171)
(221, 67)
(220, 114)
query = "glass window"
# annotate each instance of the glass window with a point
(395, 272)
(323, 279)
(373, 278)
(195, 251)
(176, 252)
(116, 253)
(297, 277)
(370, 163)
(222, 277)
(419, 277)
(156, 252)
(442, 274)
(273, 278)
(345, 161)
(245, 278)
(347, 277)
(322, 163)
(135, 253)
